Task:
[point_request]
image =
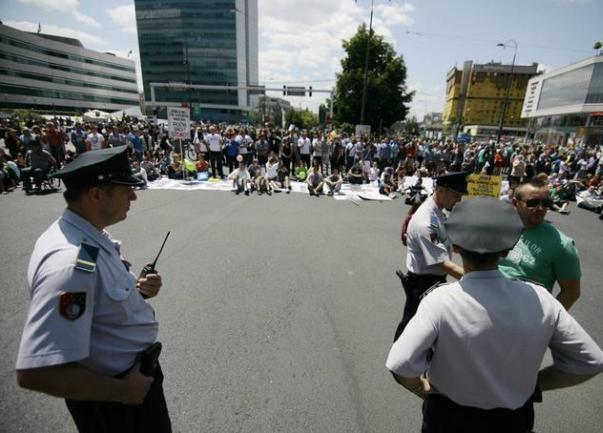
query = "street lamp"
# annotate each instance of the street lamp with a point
(509, 82)
(366, 62)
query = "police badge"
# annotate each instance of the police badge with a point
(72, 305)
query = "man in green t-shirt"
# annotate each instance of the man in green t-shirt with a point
(543, 254)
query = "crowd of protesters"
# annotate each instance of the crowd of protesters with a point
(268, 159)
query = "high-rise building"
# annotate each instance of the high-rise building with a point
(57, 74)
(476, 96)
(199, 42)
(565, 106)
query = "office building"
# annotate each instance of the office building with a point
(565, 106)
(202, 42)
(476, 95)
(54, 74)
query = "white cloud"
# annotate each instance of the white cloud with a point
(300, 43)
(53, 5)
(62, 6)
(85, 19)
(124, 16)
(89, 41)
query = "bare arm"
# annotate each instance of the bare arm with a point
(76, 382)
(551, 378)
(419, 386)
(452, 269)
(570, 292)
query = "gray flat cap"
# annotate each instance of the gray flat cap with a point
(484, 225)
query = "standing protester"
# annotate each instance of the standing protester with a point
(428, 259)
(78, 138)
(55, 138)
(474, 348)
(544, 254)
(90, 335)
(214, 142)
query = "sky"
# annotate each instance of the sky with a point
(302, 46)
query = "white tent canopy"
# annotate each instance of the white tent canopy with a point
(95, 116)
(130, 112)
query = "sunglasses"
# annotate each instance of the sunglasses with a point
(533, 202)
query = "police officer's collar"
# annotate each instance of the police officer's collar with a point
(102, 238)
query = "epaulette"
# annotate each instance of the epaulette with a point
(431, 289)
(86, 258)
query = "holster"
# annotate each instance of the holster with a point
(149, 359)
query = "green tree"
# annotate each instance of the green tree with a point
(303, 119)
(386, 93)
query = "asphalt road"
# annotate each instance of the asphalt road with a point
(276, 313)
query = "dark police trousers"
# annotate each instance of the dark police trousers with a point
(414, 286)
(442, 415)
(108, 417)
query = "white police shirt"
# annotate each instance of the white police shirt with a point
(428, 245)
(489, 335)
(83, 309)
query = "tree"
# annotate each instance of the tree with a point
(303, 119)
(386, 93)
(598, 45)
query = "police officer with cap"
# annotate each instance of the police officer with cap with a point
(90, 333)
(474, 348)
(429, 252)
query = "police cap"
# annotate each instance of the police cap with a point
(456, 181)
(484, 225)
(98, 167)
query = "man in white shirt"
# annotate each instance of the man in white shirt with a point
(214, 142)
(303, 145)
(95, 140)
(474, 348)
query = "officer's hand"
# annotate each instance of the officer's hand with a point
(428, 387)
(136, 387)
(149, 286)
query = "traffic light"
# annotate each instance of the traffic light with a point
(284, 90)
(310, 91)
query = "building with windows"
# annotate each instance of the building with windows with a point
(476, 96)
(565, 106)
(203, 43)
(431, 127)
(50, 73)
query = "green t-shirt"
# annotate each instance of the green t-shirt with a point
(301, 173)
(543, 255)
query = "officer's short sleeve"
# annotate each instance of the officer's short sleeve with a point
(58, 326)
(408, 355)
(431, 246)
(567, 262)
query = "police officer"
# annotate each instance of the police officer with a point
(90, 334)
(428, 258)
(480, 341)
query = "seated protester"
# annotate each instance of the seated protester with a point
(387, 186)
(139, 173)
(560, 199)
(164, 162)
(6, 183)
(240, 177)
(356, 174)
(149, 168)
(400, 176)
(272, 167)
(258, 181)
(373, 174)
(202, 167)
(415, 192)
(301, 171)
(39, 163)
(315, 181)
(333, 182)
(175, 169)
(283, 176)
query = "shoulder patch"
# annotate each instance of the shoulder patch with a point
(431, 289)
(86, 258)
(434, 222)
(72, 305)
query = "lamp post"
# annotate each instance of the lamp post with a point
(509, 82)
(366, 62)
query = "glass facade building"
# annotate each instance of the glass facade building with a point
(566, 105)
(51, 73)
(200, 42)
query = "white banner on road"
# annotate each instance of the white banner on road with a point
(179, 123)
